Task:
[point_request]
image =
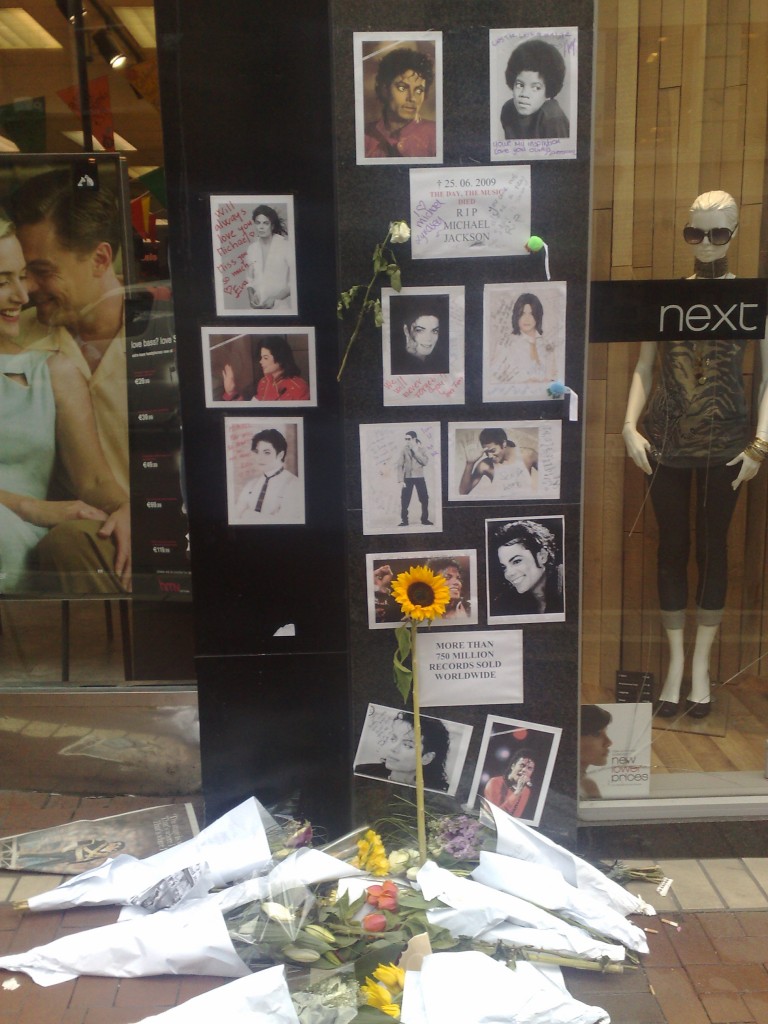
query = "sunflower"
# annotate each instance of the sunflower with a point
(421, 593)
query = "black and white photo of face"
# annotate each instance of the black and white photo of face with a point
(422, 336)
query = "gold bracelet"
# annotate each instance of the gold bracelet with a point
(758, 442)
(755, 453)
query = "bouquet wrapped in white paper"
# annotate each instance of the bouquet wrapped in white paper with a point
(516, 839)
(261, 998)
(232, 847)
(480, 912)
(471, 988)
(192, 938)
(548, 889)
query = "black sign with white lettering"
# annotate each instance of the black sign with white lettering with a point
(673, 310)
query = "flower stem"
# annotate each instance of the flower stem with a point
(362, 312)
(421, 824)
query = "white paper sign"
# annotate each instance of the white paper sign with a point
(480, 211)
(474, 668)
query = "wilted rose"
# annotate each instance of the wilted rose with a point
(374, 923)
(399, 231)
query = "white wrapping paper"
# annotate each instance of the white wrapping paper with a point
(232, 847)
(189, 939)
(473, 902)
(516, 839)
(471, 988)
(261, 998)
(547, 888)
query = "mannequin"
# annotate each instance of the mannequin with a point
(695, 433)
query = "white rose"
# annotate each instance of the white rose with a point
(399, 231)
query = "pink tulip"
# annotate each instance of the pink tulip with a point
(374, 923)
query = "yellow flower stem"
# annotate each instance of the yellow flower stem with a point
(421, 823)
(361, 314)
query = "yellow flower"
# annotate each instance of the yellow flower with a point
(371, 855)
(391, 976)
(421, 593)
(380, 997)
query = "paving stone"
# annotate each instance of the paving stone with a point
(159, 991)
(758, 1005)
(691, 942)
(726, 1009)
(677, 997)
(728, 978)
(722, 924)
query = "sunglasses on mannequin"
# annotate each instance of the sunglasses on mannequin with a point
(717, 236)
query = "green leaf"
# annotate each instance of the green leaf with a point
(378, 316)
(402, 672)
(395, 278)
(382, 952)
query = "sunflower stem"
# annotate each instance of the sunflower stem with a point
(421, 821)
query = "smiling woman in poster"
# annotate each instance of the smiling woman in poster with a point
(268, 262)
(45, 412)
(695, 429)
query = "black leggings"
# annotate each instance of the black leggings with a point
(715, 501)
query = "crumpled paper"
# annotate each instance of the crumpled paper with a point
(261, 998)
(548, 889)
(472, 988)
(516, 839)
(233, 846)
(484, 913)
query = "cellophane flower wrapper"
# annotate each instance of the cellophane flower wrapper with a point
(234, 846)
(330, 1001)
(516, 839)
(472, 988)
(261, 998)
(548, 889)
(469, 899)
(189, 939)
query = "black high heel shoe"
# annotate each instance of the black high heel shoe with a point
(667, 709)
(698, 709)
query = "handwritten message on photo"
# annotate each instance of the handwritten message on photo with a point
(533, 93)
(516, 460)
(254, 255)
(265, 470)
(458, 212)
(423, 345)
(400, 477)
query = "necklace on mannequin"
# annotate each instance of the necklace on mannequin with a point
(717, 268)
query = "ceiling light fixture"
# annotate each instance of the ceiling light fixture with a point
(108, 49)
(69, 7)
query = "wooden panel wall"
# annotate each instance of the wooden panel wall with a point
(681, 108)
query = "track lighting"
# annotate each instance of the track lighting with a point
(108, 49)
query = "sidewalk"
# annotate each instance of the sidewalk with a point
(708, 966)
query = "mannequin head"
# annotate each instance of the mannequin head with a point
(712, 210)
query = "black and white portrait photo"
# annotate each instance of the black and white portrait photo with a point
(533, 93)
(254, 255)
(400, 478)
(265, 366)
(495, 460)
(423, 345)
(523, 340)
(525, 566)
(265, 471)
(459, 568)
(398, 97)
(387, 749)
